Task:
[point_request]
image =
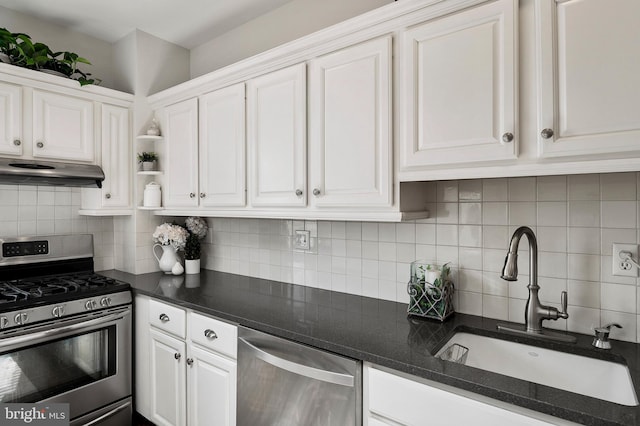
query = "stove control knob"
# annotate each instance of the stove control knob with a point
(105, 302)
(21, 318)
(4, 322)
(90, 305)
(58, 311)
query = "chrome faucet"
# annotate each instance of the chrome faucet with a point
(535, 312)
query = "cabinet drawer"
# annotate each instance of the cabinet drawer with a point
(222, 340)
(167, 318)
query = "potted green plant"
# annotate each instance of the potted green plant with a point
(8, 43)
(147, 159)
(197, 228)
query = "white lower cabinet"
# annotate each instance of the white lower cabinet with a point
(390, 399)
(185, 366)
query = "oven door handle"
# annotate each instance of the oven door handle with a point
(108, 414)
(33, 336)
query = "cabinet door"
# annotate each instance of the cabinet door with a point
(142, 353)
(212, 389)
(10, 122)
(181, 159)
(350, 126)
(589, 77)
(168, 380)
(62, 127)
(115, 157)
(222, 147)
(458, 90)
(276, 115)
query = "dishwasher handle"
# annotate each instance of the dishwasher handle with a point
(300, 369)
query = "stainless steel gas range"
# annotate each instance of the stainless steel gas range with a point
(65, 332)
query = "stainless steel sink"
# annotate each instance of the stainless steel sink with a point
(606, 380)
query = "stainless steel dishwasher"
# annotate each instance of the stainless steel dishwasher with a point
(285, 383)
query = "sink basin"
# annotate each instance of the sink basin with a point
(592, 377)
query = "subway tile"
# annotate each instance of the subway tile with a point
(354, 267)
(370, 250)
(426, 252)
(583, 320)
(369, 268)
(494, 285)
(309, 225)
(324, 263)
(470, 235)
(338, 230)
(495, 190)
(469, 303)
(495, 237)
(470, 190)
(354, 231)
(354, 248)
(522, 213)
(495, 307)
(406, 232)
(552, 213)
(446, 254)
(615, 235)
(369, 231)
(583, 267)
(552, 188)
(552, 239)
(324, 229)
(584, 213)
(583, 293)
(401, 293)
(447, 235)
(619, 214)
(354, 284)
(446, 213)
(387, 232)
(522, 189)
(370, 287)
(626, 320)
(470, 213)
(425, 233)
(618, 297)
(339, 283)
(338, 247)
(551, 289)
(584, 240)
(387, 251)
(494, 213)
(516, 310)
(405, 252)
(447, 191)
(24, 198)
(584, 187)
(470, 258)
(387, 271)
(469, 280)
(338, 265)
(618, 187)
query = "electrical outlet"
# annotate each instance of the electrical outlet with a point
(622, 267)
(302, 240)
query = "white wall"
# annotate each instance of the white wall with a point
(98, 52)
(287, 23)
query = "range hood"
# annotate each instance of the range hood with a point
(34, 172)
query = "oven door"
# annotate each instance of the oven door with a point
(84, 361)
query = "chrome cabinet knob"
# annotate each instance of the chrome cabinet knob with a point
(189, 361)
(17, 142)
(164, 318)
(202, 195)
(40, 144)
(177, 355)
(299, 192)
(107, 196)
(546, 133)
(316, 192)
(192, 195)
(210, 334)
(507, 137)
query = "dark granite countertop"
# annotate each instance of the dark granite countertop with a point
(380, 332)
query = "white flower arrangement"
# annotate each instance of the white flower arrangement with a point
(169, 234)
(197, 226)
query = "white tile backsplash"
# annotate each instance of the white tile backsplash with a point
(576, 219)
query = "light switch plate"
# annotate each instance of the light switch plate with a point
(302, 240)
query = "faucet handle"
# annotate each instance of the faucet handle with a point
(601, 339)
(563, 303)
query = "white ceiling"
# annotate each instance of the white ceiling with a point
(187, 23)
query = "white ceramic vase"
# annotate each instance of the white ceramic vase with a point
(168, 259)
(192, 266)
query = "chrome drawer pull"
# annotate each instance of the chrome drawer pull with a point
(210, 334)
(164, 317)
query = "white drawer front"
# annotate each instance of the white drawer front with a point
(213, 334)
(168, 318)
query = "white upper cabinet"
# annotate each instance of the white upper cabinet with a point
(276, 133)
(116, 157)
(458, 88)
(222, 147)
(589, 77)
(350, 145)
(181, 159)
(10, 119)
(62, 127)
